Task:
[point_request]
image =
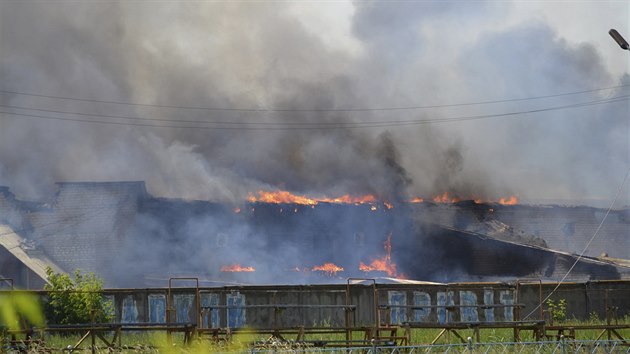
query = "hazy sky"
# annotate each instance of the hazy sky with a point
(318, 81)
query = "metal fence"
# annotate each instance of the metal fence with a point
(560, 347)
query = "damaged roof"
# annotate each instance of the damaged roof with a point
(31, 257)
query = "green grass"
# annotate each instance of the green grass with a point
(156, 341)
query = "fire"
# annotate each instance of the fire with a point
(237, 210)
(444, 198)
(383, 264)
(329, 268)
(237, 268)
(285, 197)
(281, 197)
(512, 200)
(347, 199)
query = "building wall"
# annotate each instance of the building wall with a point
(570, 229)
(84, 227)
(400, 303)
(17, 274)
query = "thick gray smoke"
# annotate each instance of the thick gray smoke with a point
(273, 55)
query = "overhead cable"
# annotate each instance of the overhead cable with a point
(227, 125)
(588, 244)
(356, 109)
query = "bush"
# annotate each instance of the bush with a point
(557, 311)
(78, 300)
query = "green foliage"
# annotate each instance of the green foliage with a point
(593, 317)
(557, 311)
(78, 300)
(17, 306)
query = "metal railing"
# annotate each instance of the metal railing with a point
(564, 347)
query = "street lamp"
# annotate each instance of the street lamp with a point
(619, 39)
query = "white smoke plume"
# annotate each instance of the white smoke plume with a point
(319, 57)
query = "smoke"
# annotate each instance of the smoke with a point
(264, 55)
(309, 66)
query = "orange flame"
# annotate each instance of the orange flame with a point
(444, 198)
(383, 264)
(347, 199)
(237, 210)
(237, 268)
(380, 265)
(280, 197)
(328, 268)
(512, 200)
(286, 197)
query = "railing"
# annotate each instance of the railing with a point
(564, 347)
(380, 333)
(106, 335)
(96, 336)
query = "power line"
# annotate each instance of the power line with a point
(588, 244)
(225, 125)
(254, 109)
(172, 120)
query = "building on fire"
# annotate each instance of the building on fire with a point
(130, 238)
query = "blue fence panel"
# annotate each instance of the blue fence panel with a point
(468, 312)
(445, 299)
(397, 314)
(157, 308)
(507, 298)
(211, 319)
(183, 304)
(420, 298)
(235, 311)
(488, 299)
(129, 310)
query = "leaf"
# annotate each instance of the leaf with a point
(17, 305)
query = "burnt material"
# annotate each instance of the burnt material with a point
(131, 238)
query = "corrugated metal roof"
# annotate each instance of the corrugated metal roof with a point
(37, 262)
(586, 267)
(387, 280)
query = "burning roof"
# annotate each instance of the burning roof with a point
(287, 238)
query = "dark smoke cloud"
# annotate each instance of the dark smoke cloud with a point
(262, 55)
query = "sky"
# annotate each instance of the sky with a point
(215, 100)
